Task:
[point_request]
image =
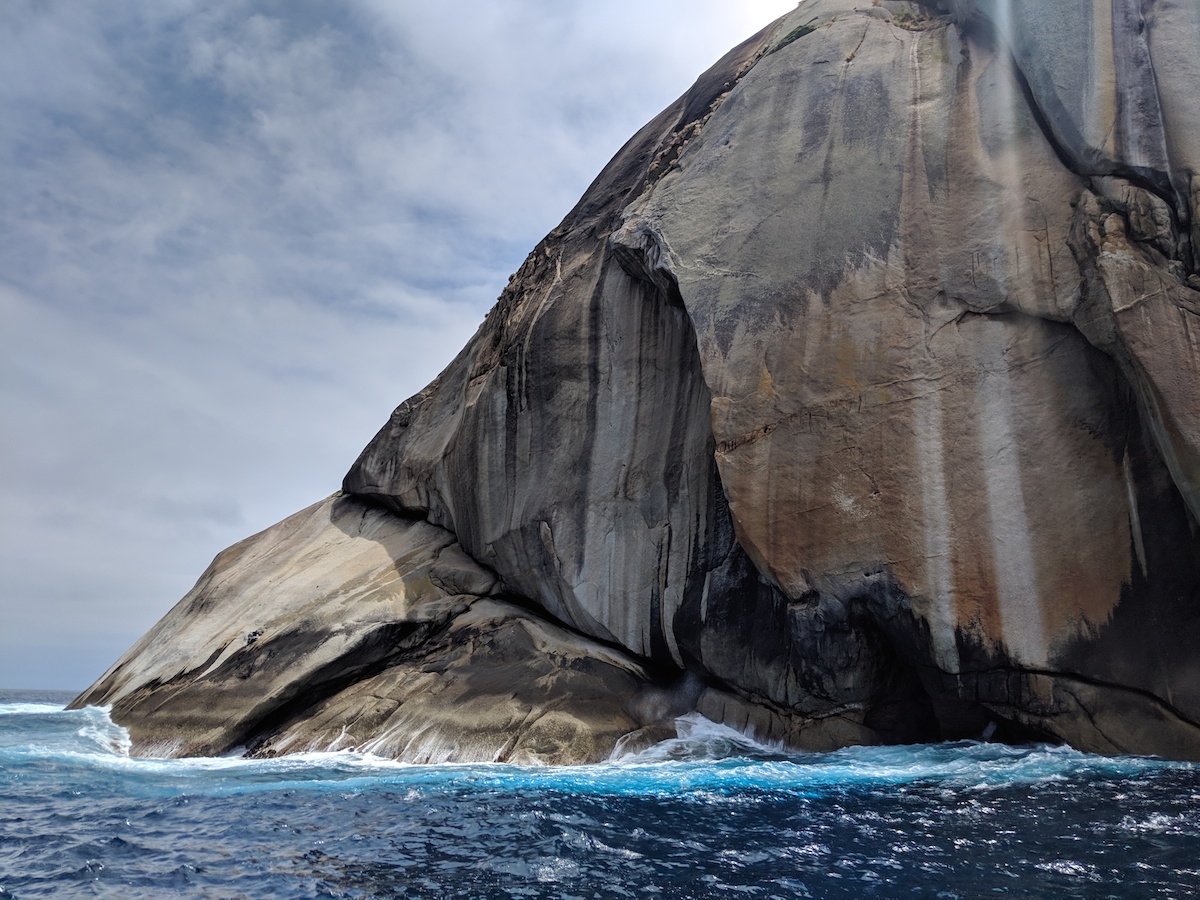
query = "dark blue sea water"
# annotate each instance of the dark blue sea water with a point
(707, 815)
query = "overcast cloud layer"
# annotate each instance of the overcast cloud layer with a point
(234, 235)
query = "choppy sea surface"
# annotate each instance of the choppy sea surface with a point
(707, 815)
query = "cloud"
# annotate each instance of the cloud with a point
(235, 234)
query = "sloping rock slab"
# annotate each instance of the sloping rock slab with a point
(498, 685)
(263, 650)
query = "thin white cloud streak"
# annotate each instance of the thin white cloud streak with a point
(234, 235)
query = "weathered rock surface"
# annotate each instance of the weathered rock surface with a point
(345, 627)
(857, 400)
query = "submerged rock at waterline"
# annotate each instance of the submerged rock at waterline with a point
(858, 400)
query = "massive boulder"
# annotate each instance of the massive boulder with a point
(857, 400)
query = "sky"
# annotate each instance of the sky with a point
(235, 234)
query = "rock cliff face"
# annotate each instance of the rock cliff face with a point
(857, 400)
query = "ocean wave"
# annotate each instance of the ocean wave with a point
(707, 808)
(30, 709)
(705, 758)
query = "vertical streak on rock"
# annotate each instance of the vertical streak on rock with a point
(935, 506)
(1100, 103)
(668, 603)
(1016, 578)
(935, 510)
(1004, 157)
(1172, 36)
(1135, 521)
(1141, 135)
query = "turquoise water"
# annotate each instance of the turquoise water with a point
(707, 815)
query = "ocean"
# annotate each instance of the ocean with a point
(710, 814)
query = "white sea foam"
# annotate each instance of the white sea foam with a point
(29, 709)
(697, 738)
(709, 756)
(705, 759)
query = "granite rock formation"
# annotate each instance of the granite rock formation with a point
(857, 400)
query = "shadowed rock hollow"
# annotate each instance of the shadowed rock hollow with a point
(857, 400)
